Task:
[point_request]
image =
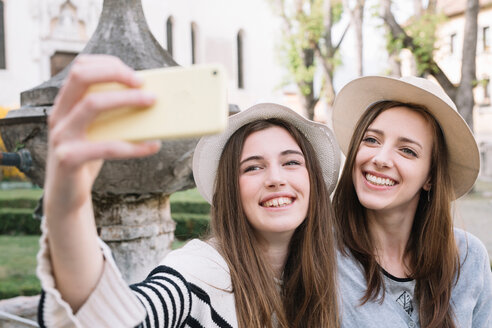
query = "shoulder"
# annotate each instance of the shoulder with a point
(471, 249)
(350, 273)
(474, 258)
(199, 261)
(194, 253)
(472, 293)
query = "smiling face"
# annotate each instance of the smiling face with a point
(393, 161)
(273, 183)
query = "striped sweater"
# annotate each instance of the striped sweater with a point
(190, 288)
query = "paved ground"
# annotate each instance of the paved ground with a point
(474, 213)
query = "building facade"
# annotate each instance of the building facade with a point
(39, 37)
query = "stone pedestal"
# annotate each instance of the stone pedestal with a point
(138, 229)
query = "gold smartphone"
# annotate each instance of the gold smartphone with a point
(190, 101)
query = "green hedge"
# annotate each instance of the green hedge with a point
(18, 203)
(18, 221)
(189, 225)
(190, 211)
(176, 207)
(190, 207)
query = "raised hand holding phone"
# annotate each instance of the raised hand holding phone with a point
(73, 163)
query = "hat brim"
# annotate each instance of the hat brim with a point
(209, 149)
(355, 97)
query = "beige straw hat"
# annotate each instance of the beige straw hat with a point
(209, 149)
(359, 94)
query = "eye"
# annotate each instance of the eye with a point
(251, 168)
(409, 151)
(370, 140)
(293, 162)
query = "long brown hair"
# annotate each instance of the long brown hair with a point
(431, 248)
(307, 297)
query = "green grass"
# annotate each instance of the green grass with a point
(18, 253)
(190, 195)
(34, 194)
(18, 266)
(178, 243)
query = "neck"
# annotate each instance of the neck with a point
(390, 232)
(276, 249)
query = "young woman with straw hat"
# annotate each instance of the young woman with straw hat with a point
(270, 260)
(401, 262)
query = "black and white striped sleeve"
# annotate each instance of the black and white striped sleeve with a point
(191, 288)
(166, 296)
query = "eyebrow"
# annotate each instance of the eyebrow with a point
(285, 152)
(401, 139)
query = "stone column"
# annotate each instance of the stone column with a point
(139, 230)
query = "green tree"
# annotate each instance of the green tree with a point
(418, 36)
(308, 44)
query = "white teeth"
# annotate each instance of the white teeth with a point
(277, 202)
(379, 181)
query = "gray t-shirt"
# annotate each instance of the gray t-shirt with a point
(400, 290)
(471, 297)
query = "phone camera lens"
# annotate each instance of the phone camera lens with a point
(214, 72)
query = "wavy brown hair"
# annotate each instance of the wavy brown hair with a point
(431, 248)
(307, 297)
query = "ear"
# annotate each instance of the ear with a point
(427, 185)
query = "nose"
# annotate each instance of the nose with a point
(274, 178)
(382, 159)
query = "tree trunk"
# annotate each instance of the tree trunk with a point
(309, 98)
(395, 64)
(464, 97)
(356, 19)
(309, 103)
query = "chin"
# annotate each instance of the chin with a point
(373, 204)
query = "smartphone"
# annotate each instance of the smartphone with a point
(190, 101)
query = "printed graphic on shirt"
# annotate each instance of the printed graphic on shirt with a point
(405, 300)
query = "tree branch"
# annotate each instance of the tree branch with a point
(341, 38)
(398, 33)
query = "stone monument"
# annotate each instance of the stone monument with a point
(131, 197)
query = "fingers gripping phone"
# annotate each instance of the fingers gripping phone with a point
(189, 102)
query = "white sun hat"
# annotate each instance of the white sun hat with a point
(358, 95)
(209, 149)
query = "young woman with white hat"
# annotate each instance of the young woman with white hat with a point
(401, 262)
(270, 260)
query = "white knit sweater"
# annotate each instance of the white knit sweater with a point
(191, 287)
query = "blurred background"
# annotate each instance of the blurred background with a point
(295, 52)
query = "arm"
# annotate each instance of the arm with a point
(73, 164)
